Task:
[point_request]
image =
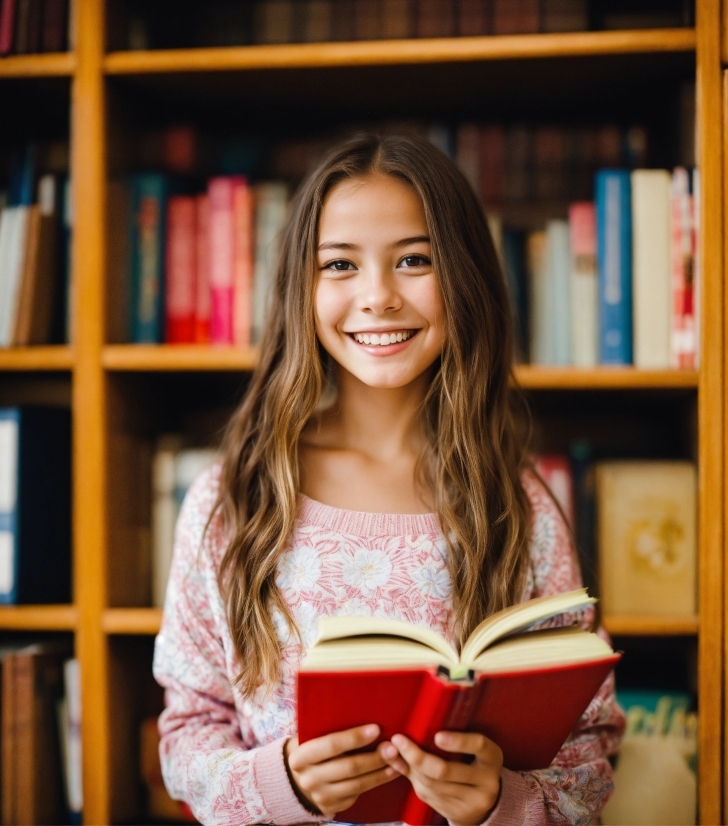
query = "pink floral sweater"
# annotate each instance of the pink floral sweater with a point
(223, 754)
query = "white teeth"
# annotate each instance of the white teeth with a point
(382, 340)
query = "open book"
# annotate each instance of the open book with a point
(523, 688)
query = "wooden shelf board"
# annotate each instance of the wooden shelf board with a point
(58, 64)
(607, 378)
(389, 52)
(132, 620)
(633, 626)
(38, 617)
(145, 357)
(53, 357)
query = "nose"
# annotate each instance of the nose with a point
(379, 293)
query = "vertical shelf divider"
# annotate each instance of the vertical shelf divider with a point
(88, 169)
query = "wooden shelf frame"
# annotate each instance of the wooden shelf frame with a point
(97, 625)
(56, 64)
(49, 358)
(397, 52)
(38, 618)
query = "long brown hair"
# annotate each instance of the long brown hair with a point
(475, 457)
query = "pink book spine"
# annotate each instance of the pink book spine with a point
(682, 260)
(7, 25)
(180, 265)
(243, 262)
(202, 291)
(220, 192)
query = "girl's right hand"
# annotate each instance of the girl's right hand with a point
(328, 778)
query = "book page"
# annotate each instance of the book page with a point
(337, 628)
(521, 616)
(375, 653)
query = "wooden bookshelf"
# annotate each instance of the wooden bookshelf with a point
(36, 358)
(60, 64)
(112, 428)
(391, 52)
(38, 618)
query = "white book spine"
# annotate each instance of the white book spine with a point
(9, 446)
(164, 516)
(72, 680)
(7, 220)
(584, 285)
(559, 281)
(651, 273)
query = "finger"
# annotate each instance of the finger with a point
(390, 754)
(461, 742)
(332, 745)
(435, 768)
(334, 796)
(344, 768)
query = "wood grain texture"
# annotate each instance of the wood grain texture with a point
(132, 620)
(61, 64)
(38, 617)
(51, 357)
(710, 415)
(390, 52)
(637, 626)
(89, 510)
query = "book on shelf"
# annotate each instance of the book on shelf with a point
(564, 15)
(397, 19)
(647, 545)
(584, 288)
(35, 505)
(683, 237)
(436, 18)
(516, 16)
(32, 687)
(33, 26)
(68, 710)
(525, 689)
(473, 18)
(174, 469)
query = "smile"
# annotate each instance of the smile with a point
(383, 339)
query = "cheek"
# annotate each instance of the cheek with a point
(330, 305)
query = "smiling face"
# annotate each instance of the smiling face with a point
(378, 306)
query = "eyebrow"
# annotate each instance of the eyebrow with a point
(404, 242)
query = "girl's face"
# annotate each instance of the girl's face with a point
(377, 301)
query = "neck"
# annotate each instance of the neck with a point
(380, 422)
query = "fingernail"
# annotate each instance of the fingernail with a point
(389, 751)
(371, 730)
(442, 738)
(390, 772)
(398, 740)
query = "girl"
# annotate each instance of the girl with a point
(374, 467)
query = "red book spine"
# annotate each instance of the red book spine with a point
(180, 270)
(683, 337)
(222, 251)
(202, 291)
(492, 164)
(243, 263)
(54, 25)
(7, 25)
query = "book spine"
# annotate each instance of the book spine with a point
(397, 19)
(22, 24)
(9, 468)
(584, 291)
(492, 165)
(540, 296)
(270, 212)
(614, 255)
(148, 258)
(164, 515)
(25, 701)
(202, 291)
(7, 25)
(54, 25)
(9, 758)
(222, 250)
(682, 264)
(473, 18)
(651, 273)
(559, 278)
(243, 262)
(72, 682)
(13, 274)
(180, 269)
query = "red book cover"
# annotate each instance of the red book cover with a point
(202, 286)
(222, 255)
(179, 269)
(683, 335)
(243, 262)
(7, 25)
(528, 714)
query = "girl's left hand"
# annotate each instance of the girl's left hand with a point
(464, 793)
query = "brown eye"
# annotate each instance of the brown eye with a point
(414, 261)
(339, 265)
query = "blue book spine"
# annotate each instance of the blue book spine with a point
(148, 209)
(9, 450)
(614, 254)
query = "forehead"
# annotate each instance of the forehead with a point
(374, 202)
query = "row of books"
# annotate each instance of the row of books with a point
(32, 26)
(521, 163)
(41, 735)
(35, 505)
(200, 266)
(618, 282)
(174, 469)
(635, 525)
(289, 21)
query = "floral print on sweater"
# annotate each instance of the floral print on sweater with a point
(223, 754)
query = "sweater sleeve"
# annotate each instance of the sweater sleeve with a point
(577, 785)
(209, 756)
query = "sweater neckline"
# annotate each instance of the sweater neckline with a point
(361, 523)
